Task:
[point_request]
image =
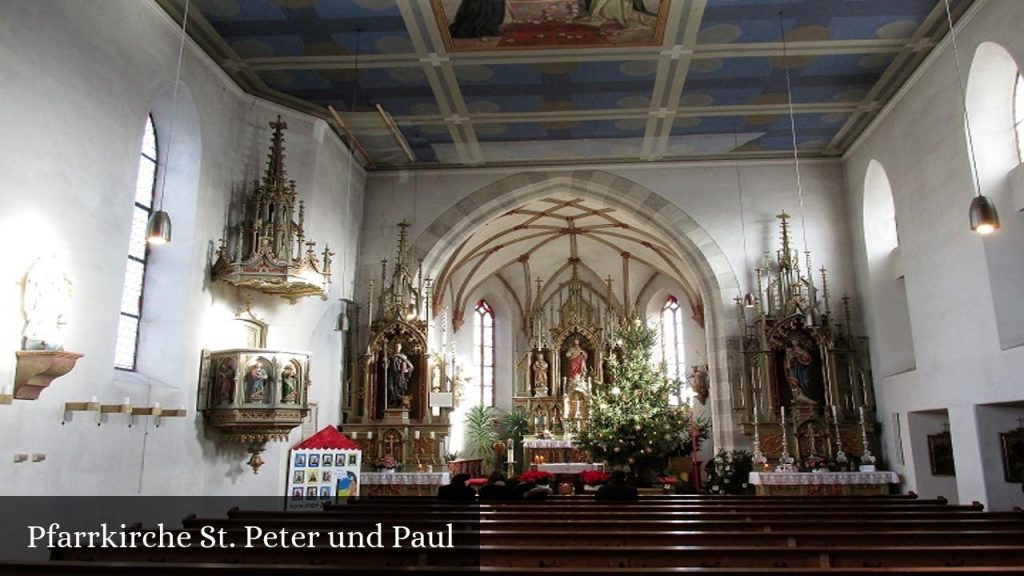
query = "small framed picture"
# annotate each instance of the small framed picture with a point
(296, 493)
(325, 491)
(311, 493)
(328, 460)
(325, 476)
(1013, 455)
(300, 460)
(314, 460)
(940, 453)
(312, 477)
(351, 459)
(299, 477)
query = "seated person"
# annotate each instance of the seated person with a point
(496, 487)
(457, 490)
(539, 491)
(616, 488)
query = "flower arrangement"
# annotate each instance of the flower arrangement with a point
(536, 477)
(594, 477)
(728, 472)
(386, 461)
(545, 435)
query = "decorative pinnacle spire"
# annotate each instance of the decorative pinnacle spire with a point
(276, 176)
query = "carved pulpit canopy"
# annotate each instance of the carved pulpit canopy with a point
(266, 249)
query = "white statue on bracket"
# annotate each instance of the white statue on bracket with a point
(46, 301)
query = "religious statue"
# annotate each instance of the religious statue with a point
(46, 302)
(289, 384)
(577, 357)
(399, 373)
(797, 364)
(256, 384)
(459, 385)
(225, 390)
(540, 375)
(700, 382)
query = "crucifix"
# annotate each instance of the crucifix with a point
(813, 434)
(390, 440)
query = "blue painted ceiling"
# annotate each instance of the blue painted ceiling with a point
(543, 82)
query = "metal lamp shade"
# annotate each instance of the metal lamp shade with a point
(984, 216)
(158, 231)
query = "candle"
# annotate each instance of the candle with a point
(369, 435)
(126, 402)
(416, 434)
(92, 400)
(433, 435)
(783, 415)
(355, 434)
(156, 406)
(861, 408)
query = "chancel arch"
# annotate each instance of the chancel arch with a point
(574, 231)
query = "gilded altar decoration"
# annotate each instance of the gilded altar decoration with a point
(266, 248)
(254, 396)
(806, 378)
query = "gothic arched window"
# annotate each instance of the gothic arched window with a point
(483, 350)
(138, 251)
(672, 339)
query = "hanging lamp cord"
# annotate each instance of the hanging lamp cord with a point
(174, 105)
(792, 130)
(963, 100)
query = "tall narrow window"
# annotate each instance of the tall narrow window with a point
(672, 339)
(1018, 114)
(135, 269)
(483, 350)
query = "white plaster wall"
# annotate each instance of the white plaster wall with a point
(920, 141)
(79, 81)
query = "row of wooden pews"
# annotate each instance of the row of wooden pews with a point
(577, 535)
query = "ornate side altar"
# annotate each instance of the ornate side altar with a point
(805, 394)
(391, 412)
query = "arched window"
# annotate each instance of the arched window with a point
(672, 339)
(483, 350)
(1018, 114)
(138, 251)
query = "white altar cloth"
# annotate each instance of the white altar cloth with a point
(822, 478)
(405, 478)
(569, 467)
(539, 443)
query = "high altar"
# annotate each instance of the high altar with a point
(805, 394)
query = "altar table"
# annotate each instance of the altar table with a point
(567, 467)
(403, 483)
(553, 451)
(823, 483)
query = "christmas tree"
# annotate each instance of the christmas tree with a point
(632, 423)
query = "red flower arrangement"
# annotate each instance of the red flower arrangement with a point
(476, 482)
(536, 477)
(594, 477)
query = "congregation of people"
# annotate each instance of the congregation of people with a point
(498, 488)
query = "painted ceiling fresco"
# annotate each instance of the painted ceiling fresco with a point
(534, 82)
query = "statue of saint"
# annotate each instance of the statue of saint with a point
(540, 374)
(46, 302)
(256, 384)
(577, 357)
(225, 392)
(289, 384)
(797, 364)
(399, 372)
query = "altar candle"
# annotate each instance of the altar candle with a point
(156, 406)
(433, 435)
(127, 401)
(92, 400)
(861, 408)
(354, 435)
(416, 434)
(835, 413)
(369, 435)
(783, 415)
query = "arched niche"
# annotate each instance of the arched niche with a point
(990, 92)
(889, 304)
